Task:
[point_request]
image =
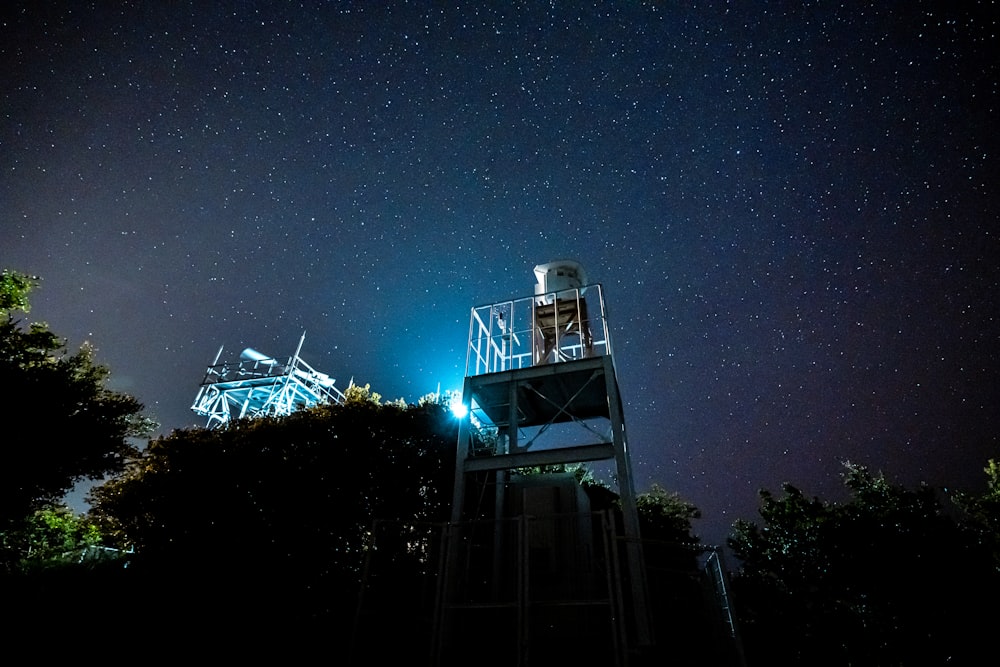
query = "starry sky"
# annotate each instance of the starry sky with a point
(792, 209)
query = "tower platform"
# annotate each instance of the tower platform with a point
(550, 393)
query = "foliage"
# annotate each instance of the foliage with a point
(983, 512)
(355, 393)
(63, 424)
(884, 579)
(14, 289)
(281, 506)
(665, 516)
(53, 536)
(444, 399)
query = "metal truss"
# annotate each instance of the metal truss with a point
(256, 385)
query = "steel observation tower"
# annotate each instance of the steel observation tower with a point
(526, 558)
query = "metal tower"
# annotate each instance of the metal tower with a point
(256, 385)
(541, 390)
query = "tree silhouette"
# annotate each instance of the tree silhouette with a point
(269, 518)
(62, 425)
(887, 578)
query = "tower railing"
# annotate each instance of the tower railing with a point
(545, 328)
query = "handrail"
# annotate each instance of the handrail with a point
(537, 329)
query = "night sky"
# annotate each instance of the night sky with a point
(792, 208)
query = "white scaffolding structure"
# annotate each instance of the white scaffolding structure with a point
(256, 385)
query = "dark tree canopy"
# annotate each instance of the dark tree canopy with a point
(665, 516)
(280, 508)
(887, 578)
(62, 423)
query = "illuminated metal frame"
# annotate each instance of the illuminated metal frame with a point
(261, 387)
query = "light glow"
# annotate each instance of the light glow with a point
(457, 407)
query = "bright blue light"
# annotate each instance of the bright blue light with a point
(457, 408)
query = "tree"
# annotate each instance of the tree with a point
(55, 536)
(267, 521)
(14, 289)
(666, 517)
(884, 579)
(63, 424)
(982, 513)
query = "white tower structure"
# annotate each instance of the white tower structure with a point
(541, 391)
(256, 385)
